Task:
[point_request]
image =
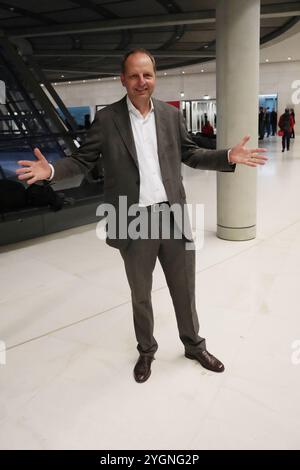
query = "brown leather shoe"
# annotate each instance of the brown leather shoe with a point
(142, 369)
(207, 360)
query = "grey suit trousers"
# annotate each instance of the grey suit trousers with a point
(178, 265)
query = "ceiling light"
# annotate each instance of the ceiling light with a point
(69, 83)
(206, 97)
(62, 76)
(202, 70)
(183, 71)
(83, 81)
(182, 94)
(165, 73)
(289, 58)
(267, 60)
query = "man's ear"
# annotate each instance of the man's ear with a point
(122, 79)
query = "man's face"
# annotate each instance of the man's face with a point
(139, 77)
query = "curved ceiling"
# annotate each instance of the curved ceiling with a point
(75, 39)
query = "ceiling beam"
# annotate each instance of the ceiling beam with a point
(120, 53)
(280, 10)
(273, 10)
(287, 26)
(198, 17)
(98, 73)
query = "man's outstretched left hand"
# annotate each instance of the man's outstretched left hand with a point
(250, 157)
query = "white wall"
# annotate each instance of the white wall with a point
(278, 78)
(274, 78)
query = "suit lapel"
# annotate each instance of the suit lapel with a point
(161, 133)
(122, 121)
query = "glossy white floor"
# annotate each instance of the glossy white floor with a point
(66, 321)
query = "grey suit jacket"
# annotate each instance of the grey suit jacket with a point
(111, 137)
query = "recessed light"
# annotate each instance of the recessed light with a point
(289, 58)
(182, 94)
(115, 78)
(55, 83)
(206, 97)
(62, 76)
(267, 60)
(202, 70)
(165, 73)
(69, 83)
(183, 71)
(99, 79)
(83, 81)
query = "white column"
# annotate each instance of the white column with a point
(238, 29)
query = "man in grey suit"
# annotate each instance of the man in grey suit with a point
(143, 142)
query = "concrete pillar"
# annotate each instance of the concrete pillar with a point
(238, 25)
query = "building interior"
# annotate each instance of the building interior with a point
(67, 344)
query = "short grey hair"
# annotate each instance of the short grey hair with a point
(136, 51)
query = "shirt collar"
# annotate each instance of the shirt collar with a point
(132, 109)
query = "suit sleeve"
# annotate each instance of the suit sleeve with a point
(199, 158)
(84, 158)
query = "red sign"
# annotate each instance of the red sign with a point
(174, 103)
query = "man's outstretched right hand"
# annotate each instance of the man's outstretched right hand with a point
(33, 171)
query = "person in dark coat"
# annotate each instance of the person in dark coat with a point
(273, 122)
(261, 123)
(267, 122)
(292, 112)
(286, 125)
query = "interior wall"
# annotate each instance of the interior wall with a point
(274, 78)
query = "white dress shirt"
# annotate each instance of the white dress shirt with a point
(144, 132)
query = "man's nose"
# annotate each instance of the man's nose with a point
(142, 80)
